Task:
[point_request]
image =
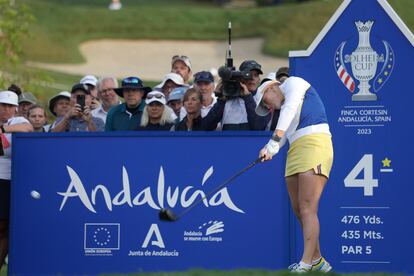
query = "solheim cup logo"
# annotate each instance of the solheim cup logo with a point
(364, 62)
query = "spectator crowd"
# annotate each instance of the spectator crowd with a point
(175, 104)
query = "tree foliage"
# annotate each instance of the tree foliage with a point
(15, 20)
(14, 23)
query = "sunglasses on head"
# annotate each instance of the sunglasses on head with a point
(132, 80)
(180, 56)
(157, 96)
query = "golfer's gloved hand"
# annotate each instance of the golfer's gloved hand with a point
(269, 150)
(272, 147)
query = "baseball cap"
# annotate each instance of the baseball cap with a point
(177, 94)
(80, 86)
(203, 76)
(155, 96)
(184, 59)
(249, 65)
(283, 71)
(9, 97)
(262, 110)
(27, 97)
(54, 99)
(89, 79)
(131, 83)
(176, 78)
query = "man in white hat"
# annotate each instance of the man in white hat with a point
(169, 82)
(91, 82)
(59, 105)
(8, 124)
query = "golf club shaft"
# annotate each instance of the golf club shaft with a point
(218, 188)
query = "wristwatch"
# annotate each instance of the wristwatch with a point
(276, 138)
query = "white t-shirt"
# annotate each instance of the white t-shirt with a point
(5, 160)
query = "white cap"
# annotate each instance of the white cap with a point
(9, 97)
(176, 78)
(54, 99)
(155, 96)
(89, 79)
(262, 110)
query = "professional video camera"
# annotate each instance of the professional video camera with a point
(230, 77)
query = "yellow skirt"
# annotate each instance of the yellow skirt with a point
(313, 151)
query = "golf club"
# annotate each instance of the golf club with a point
(167, 214)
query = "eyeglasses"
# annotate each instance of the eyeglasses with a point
(131, 80)
(106, 90)
(157, 95)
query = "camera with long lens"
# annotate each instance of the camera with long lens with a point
(230, 77)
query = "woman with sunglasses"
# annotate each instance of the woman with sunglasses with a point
(156, 116)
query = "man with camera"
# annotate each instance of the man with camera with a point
(79, 116)
(235, 91)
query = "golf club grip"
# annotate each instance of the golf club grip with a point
(218, 188)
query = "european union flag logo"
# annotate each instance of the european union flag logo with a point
(102, 235)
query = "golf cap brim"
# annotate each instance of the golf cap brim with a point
(262, 110)
(120, 91)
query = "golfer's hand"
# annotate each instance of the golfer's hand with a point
(269, 150)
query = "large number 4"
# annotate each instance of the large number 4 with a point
(368, 182)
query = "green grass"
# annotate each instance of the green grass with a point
(250, 272)
(61, 25)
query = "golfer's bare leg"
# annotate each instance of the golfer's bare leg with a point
(310, 190)
(317, 253)
(292, 185)
(4, 240)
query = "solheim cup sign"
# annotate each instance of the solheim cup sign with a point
(360, 63)
(364, 63)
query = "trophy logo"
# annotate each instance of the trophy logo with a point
(363, 62)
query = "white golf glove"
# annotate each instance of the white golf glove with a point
(272, 147)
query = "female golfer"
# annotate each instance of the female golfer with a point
(303, 122)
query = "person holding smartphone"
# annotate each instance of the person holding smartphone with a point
(79, 116)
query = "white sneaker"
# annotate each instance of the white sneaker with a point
(298, 268)
(322, 266)
(115, 6)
